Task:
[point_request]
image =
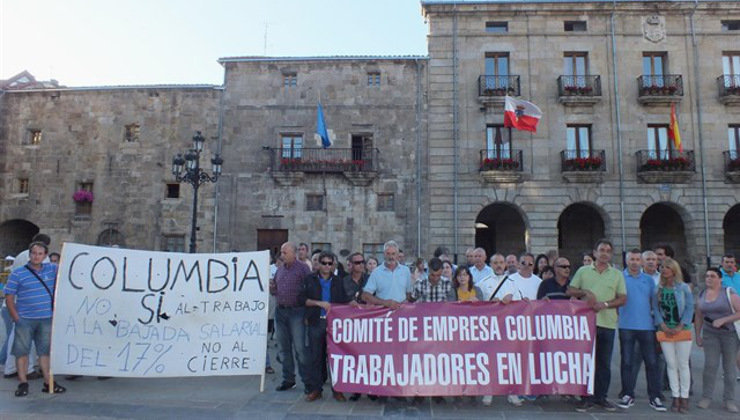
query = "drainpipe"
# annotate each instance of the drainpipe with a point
(455, 134)
(418, 158)
(620, 163)
(218, 151)
(701, 137)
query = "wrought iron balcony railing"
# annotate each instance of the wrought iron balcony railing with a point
(665, 160)
(498, 85)
(660, 85)
(503, 160)
(728, 84)
(579, 85)
(732, 160)
(576, 160)
(324, 160)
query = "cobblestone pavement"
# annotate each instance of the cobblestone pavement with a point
(239, 397)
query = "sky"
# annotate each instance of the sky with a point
(134, 42)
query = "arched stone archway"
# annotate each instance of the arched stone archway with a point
(500, 227)
(662, 223)
(731, 227)
(111, 237)
(580, 225)
(15, 235)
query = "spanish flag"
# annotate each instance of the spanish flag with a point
(673, 132)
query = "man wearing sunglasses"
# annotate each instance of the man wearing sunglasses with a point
(357, 277)
(320, 290)
(556, 287)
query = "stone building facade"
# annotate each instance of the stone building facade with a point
(419, 150)
(605, 75)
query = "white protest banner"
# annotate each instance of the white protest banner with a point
(120, 312)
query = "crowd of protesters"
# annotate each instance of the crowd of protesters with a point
(650, 303)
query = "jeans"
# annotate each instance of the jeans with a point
(603, 373)
(8, 329)
(677, 355)
(660, 360)
(291, 336)
(716, 343)
(32, 331)
(629, 340)
(317, 343)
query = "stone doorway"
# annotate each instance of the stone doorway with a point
(579, 227)
(661, 223)
(15, 235)
(731, 227)
(500, 227)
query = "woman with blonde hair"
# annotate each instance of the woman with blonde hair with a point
(674, 305)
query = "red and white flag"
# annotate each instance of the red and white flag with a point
(521, 115)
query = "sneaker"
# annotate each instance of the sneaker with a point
(487, 400)
(514, 400)
(626, 402)
(731, 407)
(285, 386)
(584, 405)
(607, 405)
(657, 404)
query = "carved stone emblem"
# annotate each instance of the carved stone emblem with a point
(653, 28)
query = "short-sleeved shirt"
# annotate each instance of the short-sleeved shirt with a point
(636, 314)
(551, 289)
(424, 291)
(32, 300)
(731, 281)
(480, 275)
(605, 286)
(354, 289)
(527, 286)
(289, 280)
(390, 284)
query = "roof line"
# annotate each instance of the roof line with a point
(126, 87)
(322, 58)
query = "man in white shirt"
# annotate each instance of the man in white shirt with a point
(479, 270)
(525, 281)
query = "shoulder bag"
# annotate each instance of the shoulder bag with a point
(732, 308)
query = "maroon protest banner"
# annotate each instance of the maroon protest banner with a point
(463, 348)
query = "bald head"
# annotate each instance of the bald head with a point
(287, 252)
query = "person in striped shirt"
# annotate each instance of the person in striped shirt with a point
(29, 297)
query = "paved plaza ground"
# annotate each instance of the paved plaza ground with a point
(239, 397)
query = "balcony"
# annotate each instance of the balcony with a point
(665, 166)
(583, 167)
(659, 89)
(358, 165)
(501, 168)
(579, 90)
(729, 89)
(732, 166)
(492, 89)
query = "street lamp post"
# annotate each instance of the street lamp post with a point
(195, 176)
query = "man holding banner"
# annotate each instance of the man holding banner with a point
(603, 288)
(319, 291)
(29, 296)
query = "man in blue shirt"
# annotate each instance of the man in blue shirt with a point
(636, 327)
(320, 290)
(29, 296)
(730, 276)
(389, 285)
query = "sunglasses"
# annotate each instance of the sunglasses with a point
(358, 262)
(327, 262)
(563, 266)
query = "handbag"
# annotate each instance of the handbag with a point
(732, 308)
(682, 335)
